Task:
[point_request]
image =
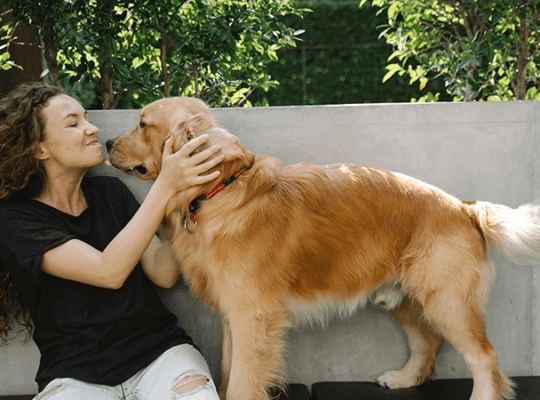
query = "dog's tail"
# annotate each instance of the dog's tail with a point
(514, 233)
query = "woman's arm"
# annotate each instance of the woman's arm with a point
(78, 261)
(159, 265)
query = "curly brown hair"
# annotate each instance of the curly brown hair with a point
(21, 175)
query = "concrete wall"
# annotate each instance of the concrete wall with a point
(480, 151)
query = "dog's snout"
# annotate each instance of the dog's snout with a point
(109, 145)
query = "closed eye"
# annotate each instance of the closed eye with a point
(73, 119)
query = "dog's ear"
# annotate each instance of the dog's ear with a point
(205, 124)
(182, 134)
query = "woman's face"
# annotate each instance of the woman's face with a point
(70, 140)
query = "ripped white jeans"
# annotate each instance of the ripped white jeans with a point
(179, 373)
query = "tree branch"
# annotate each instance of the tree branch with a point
(246, 96)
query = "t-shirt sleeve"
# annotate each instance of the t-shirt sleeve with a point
(24, 238)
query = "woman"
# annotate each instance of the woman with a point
(81, 255)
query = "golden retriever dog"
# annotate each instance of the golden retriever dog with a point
(271, 244)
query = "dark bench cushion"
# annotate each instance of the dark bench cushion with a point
(295, 391)
(527, 388)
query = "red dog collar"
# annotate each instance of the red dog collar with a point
(196, 204)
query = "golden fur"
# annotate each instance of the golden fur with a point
(306, 241)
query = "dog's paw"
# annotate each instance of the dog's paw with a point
(385, 380)
(395, 380)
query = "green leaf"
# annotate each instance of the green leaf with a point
(392, 69)
(160, 29)
(4, 57)
(122, 70)
(393, 10)
(273, 56)
(463, 63)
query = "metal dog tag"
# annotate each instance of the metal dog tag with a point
(191, 232)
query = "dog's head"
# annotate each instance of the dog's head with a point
(138, 151)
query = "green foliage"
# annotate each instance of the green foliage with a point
(484, 49)
(340, 60)
(7, 30)
(137, 51)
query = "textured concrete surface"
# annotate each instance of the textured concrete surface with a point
(480, 151)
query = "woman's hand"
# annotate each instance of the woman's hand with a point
(179, 171)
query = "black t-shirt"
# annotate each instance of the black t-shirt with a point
(84, 332)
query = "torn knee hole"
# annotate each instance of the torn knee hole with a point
(190, 383)
(50, 392)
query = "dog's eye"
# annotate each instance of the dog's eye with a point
(142, 125)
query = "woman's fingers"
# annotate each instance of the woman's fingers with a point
(190, 146)
(202, 179)
(205, 154)
(168, 149)
(208, 164)
(184, 170)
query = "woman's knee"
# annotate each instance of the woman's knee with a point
(192, 384)
(50, 392)
(189, 383)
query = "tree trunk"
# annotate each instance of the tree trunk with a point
(51, 51)
(524, 31)
(105, 10)
(164, 72)
(107, 93)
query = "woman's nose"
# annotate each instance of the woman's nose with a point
(91, 129)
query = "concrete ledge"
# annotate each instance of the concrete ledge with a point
(478, 151)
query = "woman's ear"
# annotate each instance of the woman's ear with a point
(41, 153)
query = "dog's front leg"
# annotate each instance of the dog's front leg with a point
(257, 355)
(226, 358)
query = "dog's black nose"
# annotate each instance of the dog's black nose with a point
(109, 145)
